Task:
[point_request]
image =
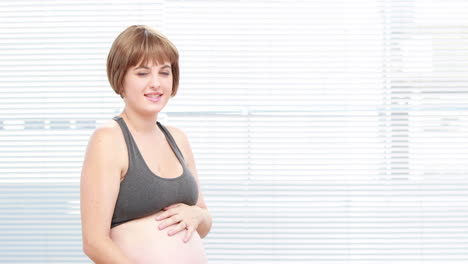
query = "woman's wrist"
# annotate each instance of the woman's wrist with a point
(204, 224)
(201, 214)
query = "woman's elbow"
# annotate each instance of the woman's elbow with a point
(89, 249)
(204, 231)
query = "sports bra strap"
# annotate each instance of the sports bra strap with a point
(172, 142)
(131, 144)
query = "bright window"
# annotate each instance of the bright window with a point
(324, 131)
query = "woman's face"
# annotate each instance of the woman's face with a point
(147, 88)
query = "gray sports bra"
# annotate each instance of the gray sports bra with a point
(142, 192)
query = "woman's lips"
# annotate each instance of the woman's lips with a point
(153, 97)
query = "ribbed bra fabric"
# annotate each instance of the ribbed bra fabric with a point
(142, 192)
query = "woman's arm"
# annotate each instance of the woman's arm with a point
(205, 225)
(99, 187)
(197, 215)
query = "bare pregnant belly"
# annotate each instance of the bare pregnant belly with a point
(143, 242)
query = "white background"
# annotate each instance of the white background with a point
(324, 131)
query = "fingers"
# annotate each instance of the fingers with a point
(170, 221)
(166, 214)
(180, 227)
(188, 234)
(173, 206)
(180, 217)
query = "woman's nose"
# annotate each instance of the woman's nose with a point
(154, 81)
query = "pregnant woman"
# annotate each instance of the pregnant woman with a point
(141, 200)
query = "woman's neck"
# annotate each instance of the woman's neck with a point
(140, 124)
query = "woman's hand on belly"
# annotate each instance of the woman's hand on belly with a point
(181, 217)
(143, 242)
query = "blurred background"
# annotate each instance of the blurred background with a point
(325, 131)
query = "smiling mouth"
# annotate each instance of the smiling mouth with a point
(153, 97)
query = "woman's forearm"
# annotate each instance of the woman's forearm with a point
(105, 251)
(205, 225)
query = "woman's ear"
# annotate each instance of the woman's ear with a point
(122, 93)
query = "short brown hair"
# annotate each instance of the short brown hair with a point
(139, 44)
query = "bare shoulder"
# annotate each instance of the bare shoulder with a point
(107, 142)
(106, 135)
(179, 136)
(182, 142)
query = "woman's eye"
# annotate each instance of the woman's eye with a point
(142, 73)
(165, 73)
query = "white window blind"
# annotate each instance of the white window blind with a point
(324, 131)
